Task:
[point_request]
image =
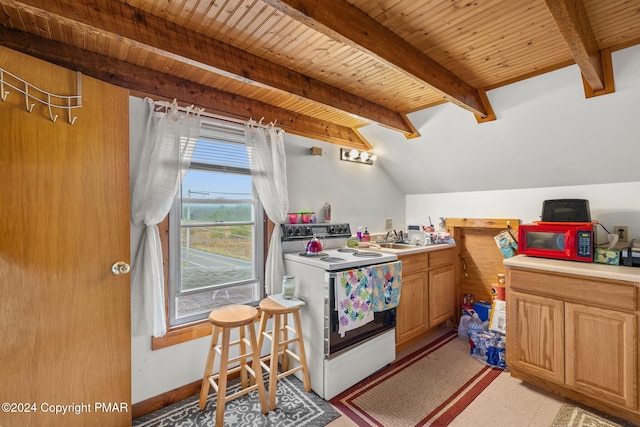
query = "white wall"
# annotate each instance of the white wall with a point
(546, 134)
(359, 194)
(610, 204)
(155, 372)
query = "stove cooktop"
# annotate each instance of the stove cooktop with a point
(342, 258)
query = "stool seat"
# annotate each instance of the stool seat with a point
(280, 309)
(231, 316)
(224, 319)
(271, 306)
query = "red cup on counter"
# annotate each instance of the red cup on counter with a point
(293, 218)
(306, 218)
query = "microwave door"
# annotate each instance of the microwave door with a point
(546, 240)
(548, 243)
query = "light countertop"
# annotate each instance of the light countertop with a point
(416, 249)
(605, 271)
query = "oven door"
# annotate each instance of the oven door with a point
(338, 341)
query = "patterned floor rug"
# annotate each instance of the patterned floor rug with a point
(397, 395)
(295, 407)
(573, 415)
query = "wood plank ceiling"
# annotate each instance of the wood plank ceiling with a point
(324, 68)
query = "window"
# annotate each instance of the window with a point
(215, 230)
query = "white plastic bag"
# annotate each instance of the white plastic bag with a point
(463, 326)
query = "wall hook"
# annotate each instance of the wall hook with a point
(51, 116)
(32, 93)
(3, 93)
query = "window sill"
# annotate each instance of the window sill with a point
(182, 334)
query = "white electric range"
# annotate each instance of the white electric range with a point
(336, 361)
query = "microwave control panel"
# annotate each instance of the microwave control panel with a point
(584, 244)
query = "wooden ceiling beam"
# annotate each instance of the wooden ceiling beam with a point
(573, 23)
(118, 20)
(344, 22)
(145, 82)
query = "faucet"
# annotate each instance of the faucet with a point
(397, 237)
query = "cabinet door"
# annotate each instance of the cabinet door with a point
(601, 358)
(535, 335)
(412, 310)
(441, 295)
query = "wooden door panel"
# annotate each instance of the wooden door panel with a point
(482, 261)
(441, 295)
(600, 356)
(535, 339)
(478, 259)
(412, 310)
(66, 318)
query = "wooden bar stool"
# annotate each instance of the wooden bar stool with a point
(224, 319)
(278, 308)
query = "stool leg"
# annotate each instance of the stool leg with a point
(264, 317)
(222, 379)
(273, 365)
(301, 353)
(204, 388)
(285, 338)
(262, 395)
(243, 362)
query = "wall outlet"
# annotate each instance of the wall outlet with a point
(388, 224)
(623, 233)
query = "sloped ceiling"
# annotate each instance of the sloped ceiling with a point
(325, 68)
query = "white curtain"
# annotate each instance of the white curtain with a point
(265, 146)
(168, 141)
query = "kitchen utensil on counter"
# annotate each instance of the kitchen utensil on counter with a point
(314, 246)
(566, 210)
(327, 212)
(430, 228)
(306, 217)
(369, 245)
(288, 286)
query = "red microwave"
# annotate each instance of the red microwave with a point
(572, 241)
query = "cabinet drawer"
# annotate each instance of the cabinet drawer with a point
(416, 263)
(600, 292)
(441, 257)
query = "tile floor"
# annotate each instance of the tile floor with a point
(505, 402)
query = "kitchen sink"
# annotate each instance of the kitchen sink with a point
(396, 245)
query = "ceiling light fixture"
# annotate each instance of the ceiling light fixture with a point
(357, 156)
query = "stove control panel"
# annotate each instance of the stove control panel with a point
(305, 231)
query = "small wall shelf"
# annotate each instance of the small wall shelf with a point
(31, 93)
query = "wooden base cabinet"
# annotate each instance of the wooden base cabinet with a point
(412, 313)
(600, 354)
(428, 294)
(576, 336)
(535, 335)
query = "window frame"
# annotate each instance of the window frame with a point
(175, 251)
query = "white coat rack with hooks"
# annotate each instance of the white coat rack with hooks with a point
(53, 102)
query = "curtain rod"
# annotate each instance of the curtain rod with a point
(174, 106)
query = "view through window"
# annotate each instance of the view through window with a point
(216, 230)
